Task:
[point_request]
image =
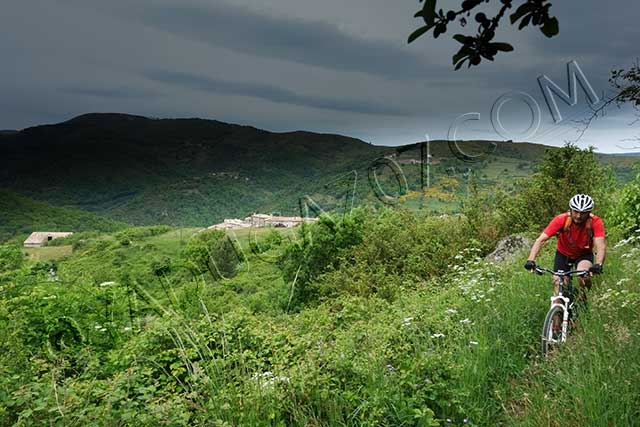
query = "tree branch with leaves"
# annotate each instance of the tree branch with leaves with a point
(481, 45)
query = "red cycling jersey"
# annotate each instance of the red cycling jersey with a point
(575, 241)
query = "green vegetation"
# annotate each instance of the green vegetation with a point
(195, 173)
(627, 210)
(48, 253)
(379, 316)
(459, 342)
(20, 216)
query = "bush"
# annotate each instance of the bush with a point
(161, 266)
(11, 258)
(212, 252)
(398, 251)
(563, 173)
(379, 254)
(128, 235)
(627, 212)
(320, 248)
(268, 242)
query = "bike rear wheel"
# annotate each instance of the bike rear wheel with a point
(552, 329)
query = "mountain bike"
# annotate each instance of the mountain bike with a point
(557, 323)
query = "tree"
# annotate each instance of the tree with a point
(561, 174)
(481, 44)
(626, 90)
(627, 210)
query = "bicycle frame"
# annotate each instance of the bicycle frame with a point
(562, 302)
(566, 306)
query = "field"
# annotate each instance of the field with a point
(48, 253)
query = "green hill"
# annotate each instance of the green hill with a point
(193, 172)
(186, 171)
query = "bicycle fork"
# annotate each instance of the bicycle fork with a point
(564, 326)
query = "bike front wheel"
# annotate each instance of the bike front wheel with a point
(552, 329)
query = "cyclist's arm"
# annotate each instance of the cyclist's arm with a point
(537, 245)
(601, 249)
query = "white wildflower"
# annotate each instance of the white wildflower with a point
(103, 284)
(407, 321)
(437, 335)
(473, 342)
(452, 311)
(267, 378)
(465, 321)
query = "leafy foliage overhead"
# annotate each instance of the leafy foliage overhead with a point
(481, 44)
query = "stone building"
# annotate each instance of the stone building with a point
(38, 239)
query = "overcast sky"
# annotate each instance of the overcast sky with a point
(282, 65)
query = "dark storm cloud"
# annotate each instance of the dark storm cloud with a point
(306, 42)
(109, 93)
(267, 92)
(350, 60)
(599, 28)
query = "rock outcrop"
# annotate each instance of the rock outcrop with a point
(509, 247)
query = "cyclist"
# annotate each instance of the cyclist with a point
(579, 232)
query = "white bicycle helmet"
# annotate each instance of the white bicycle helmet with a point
(581, 203)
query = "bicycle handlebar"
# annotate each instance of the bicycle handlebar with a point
(541, 271)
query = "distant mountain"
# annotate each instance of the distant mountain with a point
(196, 172)
(7, 131)
(182, 171)
(631, 154)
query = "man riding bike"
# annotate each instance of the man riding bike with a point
(578, 231)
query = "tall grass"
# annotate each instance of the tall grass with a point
(595, 379)
(460, 347)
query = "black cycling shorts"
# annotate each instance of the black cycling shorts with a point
(564, 263)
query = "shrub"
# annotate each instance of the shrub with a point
(627, 212)
(320, 247)
(213, 252)
(561, 174)
(269, 241)
(161, 266)
(398, 251)
(128, 235)
(11, 258)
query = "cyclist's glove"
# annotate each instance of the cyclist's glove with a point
(530, 265)
(596, 269)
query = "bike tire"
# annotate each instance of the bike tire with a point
(551, 338)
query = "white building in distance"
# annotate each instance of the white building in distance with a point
(261, 220)
(38, 239)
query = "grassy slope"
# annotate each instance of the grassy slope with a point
(19, 216)
(463, 347)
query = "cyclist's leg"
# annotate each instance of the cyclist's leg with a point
(560, 262)
(584, 262)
